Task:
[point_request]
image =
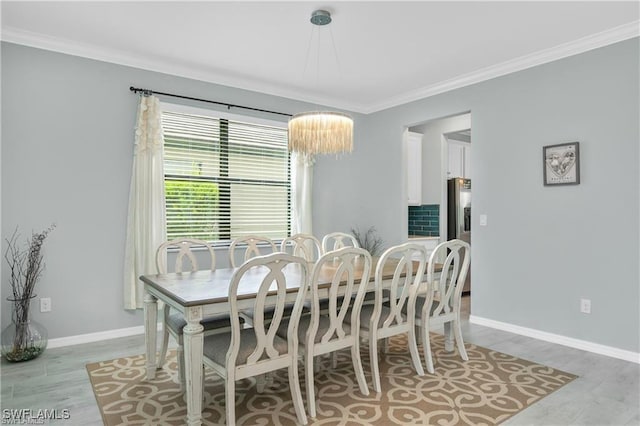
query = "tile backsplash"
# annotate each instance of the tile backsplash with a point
(424, 220)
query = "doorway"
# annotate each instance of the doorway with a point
(445, 154)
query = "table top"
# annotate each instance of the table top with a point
(210, 287)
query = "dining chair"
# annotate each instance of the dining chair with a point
(327, 332)
(385, 317)
(247, 352)
(174, 322)
(250, 244)
(304, 245)
(334, 241)
(338, 240)
(441, 305)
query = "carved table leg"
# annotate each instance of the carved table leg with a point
(193, 345)
(150, 333)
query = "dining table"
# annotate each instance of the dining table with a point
(203, 293)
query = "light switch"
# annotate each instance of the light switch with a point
(483, 220)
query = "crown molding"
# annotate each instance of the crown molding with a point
(89, 51)
(31, 39)
(594, 41)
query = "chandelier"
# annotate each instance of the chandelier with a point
(321, 132)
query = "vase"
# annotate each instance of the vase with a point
(23, 339)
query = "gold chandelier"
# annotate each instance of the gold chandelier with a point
(321, 132)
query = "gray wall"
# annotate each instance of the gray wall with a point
(66, 158)
(67, 144)
(544, 247)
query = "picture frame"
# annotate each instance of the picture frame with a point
(561, 164)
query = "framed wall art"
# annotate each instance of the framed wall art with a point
(561, 164)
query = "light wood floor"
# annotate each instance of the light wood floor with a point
(607, 391)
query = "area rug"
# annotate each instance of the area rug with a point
(486, 390)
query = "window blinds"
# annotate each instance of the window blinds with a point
(225, 178)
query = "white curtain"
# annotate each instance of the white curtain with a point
(302, 182)
(146, 226)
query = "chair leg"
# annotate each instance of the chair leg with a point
(426, 344)
(296, 393)
(261, 382)
(334, 360)
(373, 359)
(204, 375)
(458, 335)
(415, 355)
(448, 337)
(164, 346)
(181, 374)
(311, 393)
(230, 401)
(357, 367)
(385, 345)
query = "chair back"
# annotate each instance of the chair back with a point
(338, 240)
(448, 286)
(303, 245)
(277, 273)
(343, 269)
(185, 252)
(251, 248)
(408, 262)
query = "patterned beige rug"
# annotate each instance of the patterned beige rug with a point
(486, 390)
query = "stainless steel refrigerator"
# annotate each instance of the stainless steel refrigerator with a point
(459, 215)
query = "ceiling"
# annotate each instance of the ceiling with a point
(373, 55)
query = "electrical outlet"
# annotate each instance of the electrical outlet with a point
(45, 304)
(483, 220)
(585, 306)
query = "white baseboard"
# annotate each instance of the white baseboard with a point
(524, 331)
(96, 337)
(556, 338)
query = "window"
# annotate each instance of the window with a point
(225, 177)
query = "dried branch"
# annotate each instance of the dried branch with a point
(369, 241)
(25, 269)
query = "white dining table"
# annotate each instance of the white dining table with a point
(200, 294)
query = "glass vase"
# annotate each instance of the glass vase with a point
(23, 339)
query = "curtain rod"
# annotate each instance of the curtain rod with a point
(148, 92)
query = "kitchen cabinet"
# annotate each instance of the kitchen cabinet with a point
(414, 168)
(459, 160)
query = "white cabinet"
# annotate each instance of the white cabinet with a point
(414, 168)
(459, 160)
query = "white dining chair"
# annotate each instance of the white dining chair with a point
(385, 317)
(334, 241)
(304, 245)
(174, 322)
(338, 240)
(251, 246)
(248, 352)
(441, 305)
(326, 332)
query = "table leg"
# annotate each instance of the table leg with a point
(150, 333)
(448, 337)
(193, 339)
